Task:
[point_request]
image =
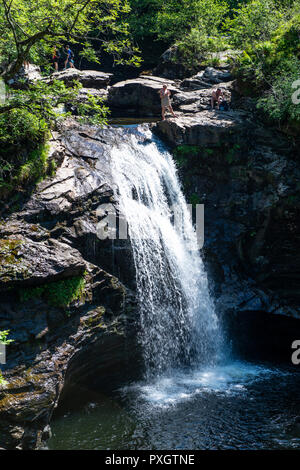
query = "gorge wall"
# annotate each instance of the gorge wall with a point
(68, 297)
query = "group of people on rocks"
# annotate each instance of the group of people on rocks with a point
(64, 58)
(67, 57)
(217, 101)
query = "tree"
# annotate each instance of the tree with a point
(30, 27)
(178, 18)
(253, 22)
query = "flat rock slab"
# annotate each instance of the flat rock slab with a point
(208, 128)
(27, 262)
(88, 78)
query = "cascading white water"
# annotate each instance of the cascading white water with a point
(178, 326)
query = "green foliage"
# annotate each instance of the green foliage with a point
(3, 337)
(29, 29)
(182, 152)
(143, 17)
(192, 24)
(185, 150)
(178, 18)
(26, 119)
(253, 22)
(277, 101)
(35, 167)
(93, 111)
(28, 168)
(271, 67)
(197, 48)
(4, 340)
(261, 61)
(20, 126)
(59, 293)
(3, 382)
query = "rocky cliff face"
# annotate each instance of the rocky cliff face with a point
(72, 322)
(68, 297)
(247, 176)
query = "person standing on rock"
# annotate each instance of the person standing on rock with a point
(165, 94)
(216, 97)
(69, 62)
(55, 58)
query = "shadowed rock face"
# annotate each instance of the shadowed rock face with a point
(49, 242)
(246, 174)
(247, 180)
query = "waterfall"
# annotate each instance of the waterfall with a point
(178, 326)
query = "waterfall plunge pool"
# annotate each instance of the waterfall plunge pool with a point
(235, 406)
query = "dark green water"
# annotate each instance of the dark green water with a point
(237, 406)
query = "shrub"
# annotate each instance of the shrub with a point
(20, 126)
(277, 101)
(3, 337)
(3, 382)
(197, 48)
(270, 68)
(253, 22)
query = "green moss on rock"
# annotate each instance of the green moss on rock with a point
(59, 294)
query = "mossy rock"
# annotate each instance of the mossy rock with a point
(59, 293)
(11, 266)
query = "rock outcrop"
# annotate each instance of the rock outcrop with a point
(71, 320)
(205, 78)
(138, 97)
(88, 78)
(206, 128)
(170, 65)
(25, 77)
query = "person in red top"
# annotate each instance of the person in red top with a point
(55, 58)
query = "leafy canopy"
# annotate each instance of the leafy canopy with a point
(30, 29)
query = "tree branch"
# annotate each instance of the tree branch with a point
(7, 9)
(77, 15)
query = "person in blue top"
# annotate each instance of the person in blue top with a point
(69, 62)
